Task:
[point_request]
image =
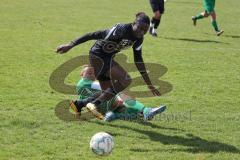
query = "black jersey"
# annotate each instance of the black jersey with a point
(113, 40)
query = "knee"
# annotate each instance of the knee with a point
(157, 15)
(205, 14)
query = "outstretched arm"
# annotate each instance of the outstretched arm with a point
(89, 36)
(141, 68)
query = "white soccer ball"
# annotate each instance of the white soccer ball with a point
(102, 143)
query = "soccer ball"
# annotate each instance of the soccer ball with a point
(102, 143)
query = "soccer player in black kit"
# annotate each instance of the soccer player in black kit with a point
(111, 76)
(158, 10)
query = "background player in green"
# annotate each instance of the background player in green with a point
(119, 107)
(209, 10)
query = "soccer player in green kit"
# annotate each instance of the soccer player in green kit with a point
(119, 107)
(209, 10)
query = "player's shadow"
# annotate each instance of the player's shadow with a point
(225, 35)
(62, 111)
(194, 40)
(231, 36)
(152, 125)
(193, 143)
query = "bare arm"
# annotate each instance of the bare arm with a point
(138, 60)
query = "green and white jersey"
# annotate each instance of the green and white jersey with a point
(86, 88)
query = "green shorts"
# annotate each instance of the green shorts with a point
(209, 5)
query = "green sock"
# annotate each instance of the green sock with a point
(214, 24)
(135, 105)
(146, 110)
(199, 16)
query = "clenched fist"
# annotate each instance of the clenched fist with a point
(64, 48)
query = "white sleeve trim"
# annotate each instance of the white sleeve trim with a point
(139, 48)
(109, 33)
(96, 85)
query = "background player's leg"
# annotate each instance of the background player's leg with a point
(155, 23)
(156, 19)
(158, 9)
(214, 24)
(199, 16)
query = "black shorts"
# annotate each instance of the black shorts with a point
(101, 65)
(157, 5)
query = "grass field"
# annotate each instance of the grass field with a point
(202, 70)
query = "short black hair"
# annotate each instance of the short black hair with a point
(142, 17)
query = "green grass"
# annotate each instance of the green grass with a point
(203, 116)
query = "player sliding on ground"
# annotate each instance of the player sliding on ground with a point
(209, 10)
(119, 107)
(111, 76)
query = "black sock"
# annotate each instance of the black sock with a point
(79, 103)
(84, 102)
(156, 22)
